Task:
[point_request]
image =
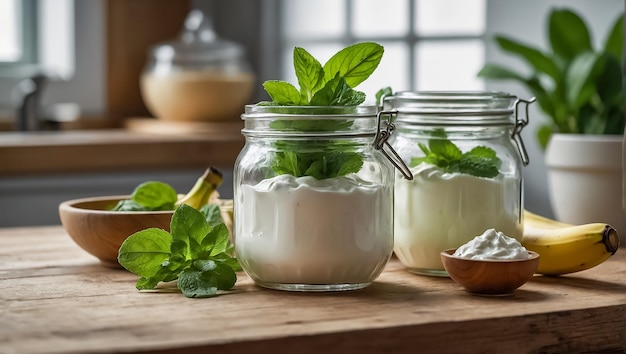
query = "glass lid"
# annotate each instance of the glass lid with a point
(198, 42)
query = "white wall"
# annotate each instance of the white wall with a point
(526, 20)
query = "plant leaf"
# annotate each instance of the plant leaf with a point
(164, 273)
(188, 223)
(543, 135)
(382, 93)
(154, 195)
(445, 149)
(212, 214)
(354, 63)
(538, 60)
(337, 92)
(568, 34)
(614, 42)
(282, 92)
(216, 241)
(205, 278)
(309, 72)
(494, 71)
(143, 252)
(579, 74)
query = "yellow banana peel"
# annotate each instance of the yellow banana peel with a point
(565, 248)
(203, 189)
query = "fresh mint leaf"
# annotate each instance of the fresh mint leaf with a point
(143, 252)
(330, 85)
(354, 63)
(128, 205)
(478, 166)
(309, 72)
(226, 259)
(286, 163)
(149, 196)
(155, 195)
(382, 93)
(336, 92)
(282, 92)
(323, 159)
(194, 254)
(445, 150)
(216, 241)
(348, 163)
(165, 273)
(205, 278)
(482, 151)
(212, 213)
(481, 161)
(189, 224)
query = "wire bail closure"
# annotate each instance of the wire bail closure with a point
(520, 123)
(381, 144)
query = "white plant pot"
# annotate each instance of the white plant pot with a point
(585, 179)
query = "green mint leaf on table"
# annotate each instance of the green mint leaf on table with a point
(329, 85)
(149, 196)
(143, 252)
(481, 161)
(212, 213)
(195, 253)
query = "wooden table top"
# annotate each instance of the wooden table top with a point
(56, 298)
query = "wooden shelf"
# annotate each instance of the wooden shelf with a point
(36, 153)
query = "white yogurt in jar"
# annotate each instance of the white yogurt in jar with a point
(494, 245)
(306, 231)
(436, 211)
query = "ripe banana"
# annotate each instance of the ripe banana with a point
(201, 192)
(565, 248)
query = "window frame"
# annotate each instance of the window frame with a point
(411, 39)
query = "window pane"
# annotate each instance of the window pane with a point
(380, 18)
(449, 65)
(10, 49)
(450, 17)
(393, 71)
(313, 19)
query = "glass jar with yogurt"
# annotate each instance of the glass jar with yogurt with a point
(313, 198)
(466, 155)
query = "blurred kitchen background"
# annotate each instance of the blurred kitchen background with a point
(92, 52)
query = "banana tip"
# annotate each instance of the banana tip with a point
(611, 239)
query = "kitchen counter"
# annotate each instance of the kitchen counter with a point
(56, 298)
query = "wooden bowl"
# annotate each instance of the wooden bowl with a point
(489, 277)
(100, 231)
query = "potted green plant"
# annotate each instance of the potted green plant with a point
(580, 89)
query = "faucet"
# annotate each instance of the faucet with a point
(28, 92)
